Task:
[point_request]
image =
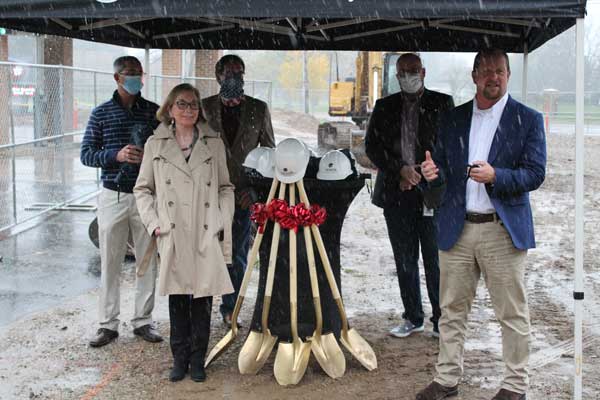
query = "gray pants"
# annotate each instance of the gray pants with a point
(484, 249)
(115, 220)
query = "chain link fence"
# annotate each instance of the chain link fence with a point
(43, 113)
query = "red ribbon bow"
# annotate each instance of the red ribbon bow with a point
(286, 216)
(283, 214)
(260, 215)
(302, 214)
(278, 209)
(319, 214)
(289, 221)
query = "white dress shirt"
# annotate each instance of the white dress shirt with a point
(484, 124)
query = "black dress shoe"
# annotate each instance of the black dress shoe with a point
(505, 394)
(103, 337)
(227, 321)
(178, 371)
(148, 333)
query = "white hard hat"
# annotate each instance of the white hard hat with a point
(334, 166)
(291, 159)
(265, 165)
(251, 160)
(348, 153)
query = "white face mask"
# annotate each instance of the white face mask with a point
(410, 83)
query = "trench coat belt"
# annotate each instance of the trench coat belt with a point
(143, 266)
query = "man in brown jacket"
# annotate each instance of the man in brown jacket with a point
(244, 123)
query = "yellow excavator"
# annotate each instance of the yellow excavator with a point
(375, 78)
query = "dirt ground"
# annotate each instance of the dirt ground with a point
(46, 356)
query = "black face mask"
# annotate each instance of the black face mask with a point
(232, 88)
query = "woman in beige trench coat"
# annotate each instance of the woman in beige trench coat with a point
(186, 202)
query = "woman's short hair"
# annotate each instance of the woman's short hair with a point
(163, 112)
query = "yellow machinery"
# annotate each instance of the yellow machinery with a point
(375, 78)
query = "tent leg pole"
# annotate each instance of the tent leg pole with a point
(183, 65)
(146, 88)
(525, 67)
(579, 192)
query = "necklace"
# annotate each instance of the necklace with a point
(193, 143)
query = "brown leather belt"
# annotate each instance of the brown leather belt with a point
(482, 218)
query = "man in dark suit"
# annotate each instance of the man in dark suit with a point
(490, 154)
(402, 127)
(244, 123)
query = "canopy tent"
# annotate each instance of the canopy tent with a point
(433, 25)
(402, 25)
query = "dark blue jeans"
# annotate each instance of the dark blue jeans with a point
(406, 229)
(240, 236)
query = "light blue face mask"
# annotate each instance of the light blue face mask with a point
(133, 84)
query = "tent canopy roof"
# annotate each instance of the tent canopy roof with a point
(408, 25)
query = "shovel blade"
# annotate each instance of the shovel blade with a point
(359, 348)
(220, 347)
(329, 355)
(255, 352)
(291, 362)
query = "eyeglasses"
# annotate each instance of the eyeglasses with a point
(183, 105)
(469, 168)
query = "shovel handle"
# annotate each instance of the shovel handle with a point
(293, 273)
(271, 269)
(314, 282)
(251, 261)
(325, 260)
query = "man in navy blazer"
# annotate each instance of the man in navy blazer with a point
(490, 153)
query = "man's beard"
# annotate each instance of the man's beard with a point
(493, 93)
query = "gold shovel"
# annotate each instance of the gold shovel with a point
(350, 338)
(226, 341)
(324, 347)
(258, 345)
(292, 358)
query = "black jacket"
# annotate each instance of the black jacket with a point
(383, 145)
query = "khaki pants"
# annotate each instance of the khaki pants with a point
(115, 220)
(484, 249)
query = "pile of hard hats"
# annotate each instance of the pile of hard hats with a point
(293, 156)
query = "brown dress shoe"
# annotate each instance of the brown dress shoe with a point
(504, 394)
(435, 391)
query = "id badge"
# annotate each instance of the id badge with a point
(427, 212)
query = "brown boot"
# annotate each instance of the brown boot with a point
(435, 391)
(504, 394)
